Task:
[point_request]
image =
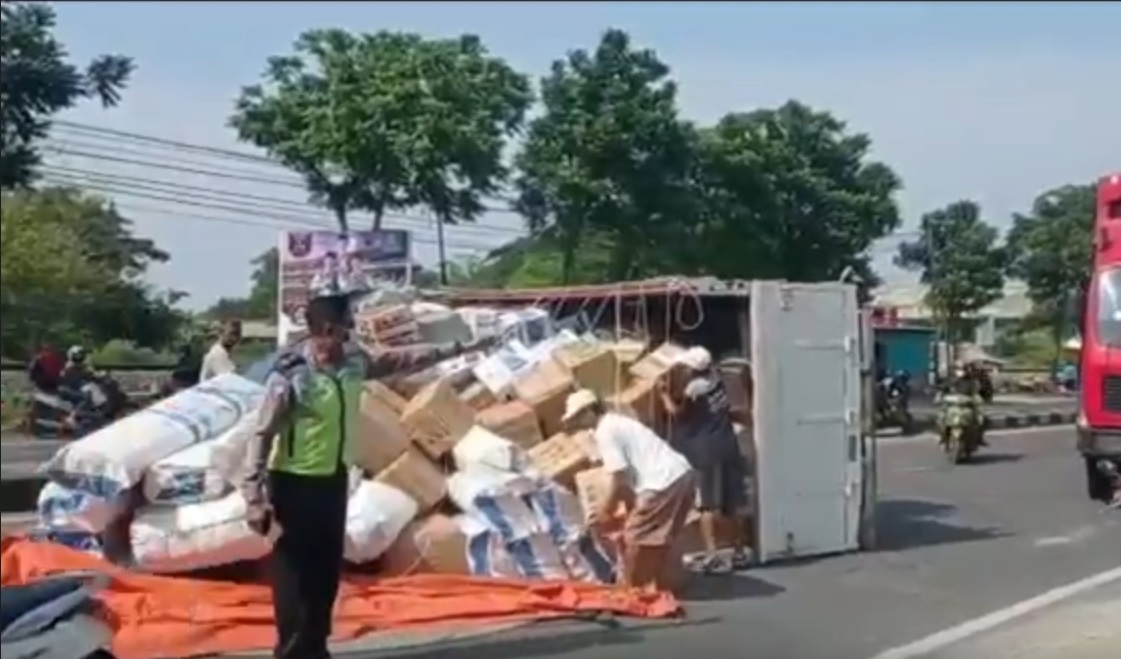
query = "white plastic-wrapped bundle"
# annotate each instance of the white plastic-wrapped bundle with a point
(202, 472)
(482, 448)
(530, 325)
(114, 458)
(376, 514)
(196, 536)
(64, 509)
(498, 371)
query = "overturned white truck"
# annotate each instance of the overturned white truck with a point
(808, 348)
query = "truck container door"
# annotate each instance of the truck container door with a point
(806, 362)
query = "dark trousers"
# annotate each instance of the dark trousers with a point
(307, 560)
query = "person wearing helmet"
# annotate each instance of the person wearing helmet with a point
(299, 464)
(77, 371)
(703, 432)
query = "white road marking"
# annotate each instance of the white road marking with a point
(947, 637)
(1003, 432)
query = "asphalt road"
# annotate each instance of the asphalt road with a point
(957, 543)
(1087, 626)
(21, 456)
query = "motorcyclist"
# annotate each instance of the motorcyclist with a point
(965, 383)
(93, 403)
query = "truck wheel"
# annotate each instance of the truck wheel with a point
(1098, 487)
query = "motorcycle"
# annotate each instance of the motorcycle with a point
(960, 428)
(894, 404)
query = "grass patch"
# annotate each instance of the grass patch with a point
(13, 409)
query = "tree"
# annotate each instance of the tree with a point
(36, 82)
(33, 277)
(789, 193)
(73, 271)
(1050, 250)
(608, 155)
(263, 292)
(389, 120)
(960, 262)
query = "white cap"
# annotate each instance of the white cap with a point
(696, 358)
(577, 402)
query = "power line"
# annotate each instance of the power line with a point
(201, 149)
(267, 220)
(115, 136)
(251, 200)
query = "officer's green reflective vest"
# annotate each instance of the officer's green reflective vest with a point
(318, 438)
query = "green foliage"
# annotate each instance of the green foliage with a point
(959, 260)
(608, 155)
(37, 82)
(1050, 249)
(72, 272)
(790, 194)
(385, 121)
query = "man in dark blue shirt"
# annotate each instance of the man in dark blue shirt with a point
(703, 432)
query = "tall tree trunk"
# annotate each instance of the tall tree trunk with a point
(340, 217)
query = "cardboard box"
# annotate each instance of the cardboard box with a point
(387, 396)
(380, 439)
(561, 457)
(641, 401)
(628, 351)
(417, 476)
(545, 389)
(515, 421)
(658, 363)
(430, 545)
(436, 418)
(593, 366)
(591, 490)
(478, 396)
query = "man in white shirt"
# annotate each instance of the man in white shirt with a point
(644, 471)
(218, 360)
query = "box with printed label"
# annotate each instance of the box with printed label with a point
(436, 418)
(562, 456)
(546, 388)
(417, 476)
(380, 438)
(515, 421)
(592, 365)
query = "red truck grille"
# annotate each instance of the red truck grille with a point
(1111, 393)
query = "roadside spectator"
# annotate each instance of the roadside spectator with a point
(645, 472)
(703, 431)
(218, 359)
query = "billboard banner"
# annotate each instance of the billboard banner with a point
(327, 262)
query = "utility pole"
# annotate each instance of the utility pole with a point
(942, 332)
(441, 248)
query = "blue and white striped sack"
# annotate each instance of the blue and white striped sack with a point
(80, 540)
(114, 458)
(65, 509)
(202, 472)
(525, 526)
(535, 557)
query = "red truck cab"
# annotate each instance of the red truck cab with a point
(1099, 418)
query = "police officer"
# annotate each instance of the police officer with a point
(299, 468)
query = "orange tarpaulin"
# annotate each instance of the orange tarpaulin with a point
(176, 617)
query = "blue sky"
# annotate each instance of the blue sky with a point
(990, 101)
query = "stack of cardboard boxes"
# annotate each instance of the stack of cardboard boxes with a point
(407, 443)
